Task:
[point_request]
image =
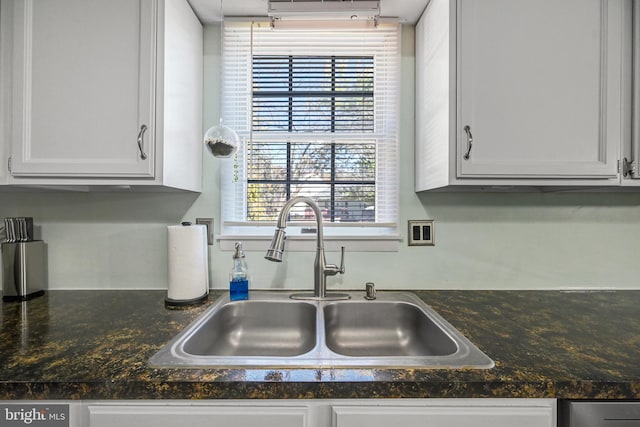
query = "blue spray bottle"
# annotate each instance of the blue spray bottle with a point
(239, 276)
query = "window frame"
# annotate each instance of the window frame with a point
(234, 193)
(317, 97)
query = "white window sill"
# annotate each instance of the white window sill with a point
(308, 243)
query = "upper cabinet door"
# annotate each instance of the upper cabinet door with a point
(84, 88)
(5, 101)
(631, 170)
(538, 88)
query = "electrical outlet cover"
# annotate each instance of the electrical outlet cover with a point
(421, 233)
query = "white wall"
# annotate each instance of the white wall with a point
(483, 240)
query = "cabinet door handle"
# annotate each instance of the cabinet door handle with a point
(143, 129)
(467, 129)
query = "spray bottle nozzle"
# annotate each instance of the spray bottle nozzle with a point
(238, 252)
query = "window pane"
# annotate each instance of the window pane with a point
(340, 177)
(355, 162)
(311, 162)
(264, 201)
(313, 94)
(355, 203)
(321, 193)
(271, 114)
(267, 162)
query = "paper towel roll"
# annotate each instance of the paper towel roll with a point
(188, 263)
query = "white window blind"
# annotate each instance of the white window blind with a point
(316, 107)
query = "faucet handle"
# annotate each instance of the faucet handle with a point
(332, 269)
(341, 270)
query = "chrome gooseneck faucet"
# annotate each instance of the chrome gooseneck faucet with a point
(320, 267)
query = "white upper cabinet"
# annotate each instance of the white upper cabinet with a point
(631, 159)
(520, 92)
(5, 101)
(106, 92)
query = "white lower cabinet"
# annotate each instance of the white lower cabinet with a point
(195, 415)
(449, 414)
(323, 413)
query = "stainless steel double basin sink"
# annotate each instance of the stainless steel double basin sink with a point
(397, 329)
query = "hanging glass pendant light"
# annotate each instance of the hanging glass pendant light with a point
(221, 140)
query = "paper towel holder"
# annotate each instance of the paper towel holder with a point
(175, 303)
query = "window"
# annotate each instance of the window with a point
(310, 95)
(316, 109)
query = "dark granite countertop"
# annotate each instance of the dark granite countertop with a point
(95, 345)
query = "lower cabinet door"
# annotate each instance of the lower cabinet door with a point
(447, 416)
(195, 416)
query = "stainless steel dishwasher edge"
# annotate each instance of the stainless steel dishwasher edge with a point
(585, 413)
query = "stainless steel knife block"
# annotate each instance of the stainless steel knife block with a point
(23, 270)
